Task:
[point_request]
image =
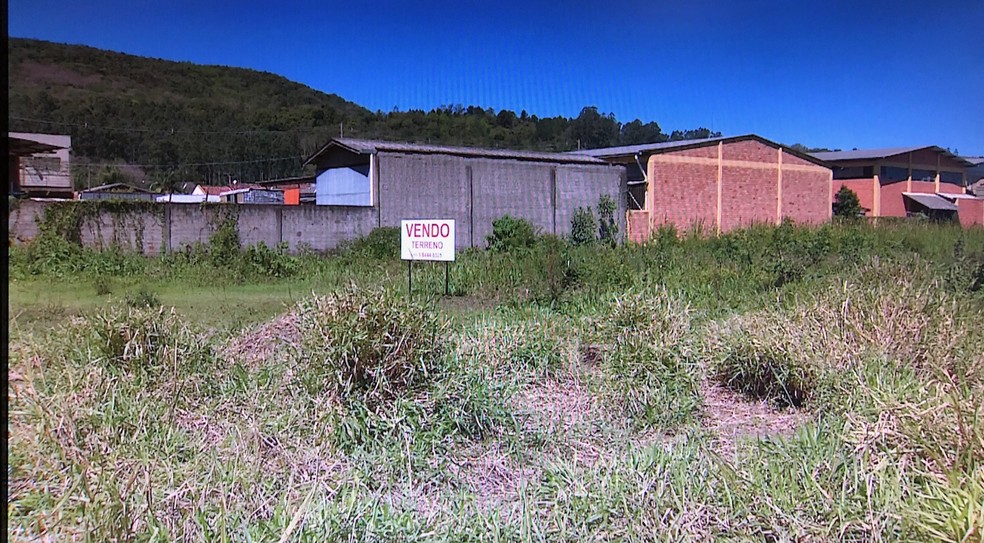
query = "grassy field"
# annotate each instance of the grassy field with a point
(776, 384)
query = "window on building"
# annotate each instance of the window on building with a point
(923, 175)
(889, 174)
(346, 186)
(955, 178)
(853, 172)
(42, 163)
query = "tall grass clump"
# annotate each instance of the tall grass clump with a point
(142, 339)
(651, 373)
(766, 356)
(371, 345)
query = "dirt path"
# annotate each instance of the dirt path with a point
(731, 418)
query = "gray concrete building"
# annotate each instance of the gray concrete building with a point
(397, 181)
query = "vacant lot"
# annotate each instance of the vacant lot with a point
(777, 384)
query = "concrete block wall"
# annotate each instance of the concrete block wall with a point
(143, 232)
(321, 228)
(22, 225)
(476, 191)
(176, 226)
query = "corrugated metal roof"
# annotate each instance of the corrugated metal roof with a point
(951, 196)
(874, 154)
(123, 186)
(24, 147)
(667, 146)
(606, 152)
(931, 201)
(373, 146)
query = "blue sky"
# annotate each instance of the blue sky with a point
(828, 73)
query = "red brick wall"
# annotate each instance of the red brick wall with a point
(684, 195)
(923, 186)
(949, 188)
(864, 188)
(892, 204)
(748, 195)
(793, 159)
(750, 150)
(637, 225)
(970, 212)
(684, 187)
(806, 195)
(710, 151)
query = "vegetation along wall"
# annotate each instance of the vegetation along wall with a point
(151, 227)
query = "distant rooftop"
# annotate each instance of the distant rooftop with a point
(666, 146)
(874, 154)
(606, 152)
(366, 147)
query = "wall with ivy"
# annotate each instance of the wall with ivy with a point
(152, 228)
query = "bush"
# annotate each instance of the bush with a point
(607, 225)
(260, 260)
(381, 243)
(847, 205)
(511, 234)
(583, 227)
(370, 346)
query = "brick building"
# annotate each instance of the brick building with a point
(900, 181)
(719, 184)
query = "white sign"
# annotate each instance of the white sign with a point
(427, 240)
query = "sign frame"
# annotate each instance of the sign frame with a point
(427, 239)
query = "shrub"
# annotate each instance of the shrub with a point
(381, 243)
(224, 244)
(511, 234)
(263, 261)
(583, 227)
(607, 225)
(847, 205)
(370, 346)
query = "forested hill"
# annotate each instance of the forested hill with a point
(182, 121)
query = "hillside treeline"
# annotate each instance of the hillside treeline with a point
(182, 121)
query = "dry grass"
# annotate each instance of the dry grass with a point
(730, 418)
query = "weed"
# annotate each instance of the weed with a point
(103, 286)
(142, 298)
(763, 358)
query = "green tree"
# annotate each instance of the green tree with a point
(847, 205)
